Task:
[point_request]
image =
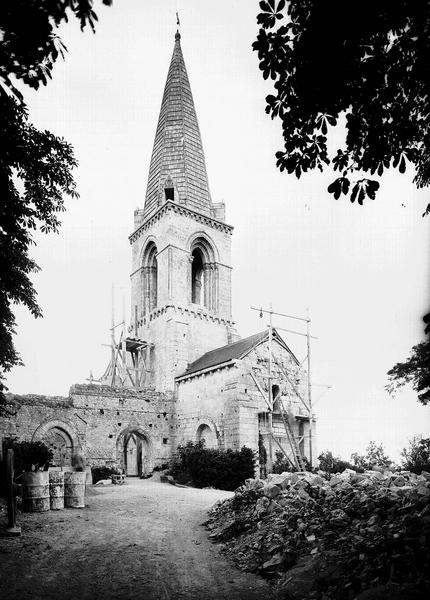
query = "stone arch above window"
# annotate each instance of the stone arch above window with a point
(150, 277)
(204, 274)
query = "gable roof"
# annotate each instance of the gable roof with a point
(177, 155)
(236, 350)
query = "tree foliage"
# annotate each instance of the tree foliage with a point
(332, 464)
(375, 457)
(414, 371)
(29, 456)
(416, 457)
(365, 60)
(35, 166)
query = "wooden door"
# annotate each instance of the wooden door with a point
(131, 457)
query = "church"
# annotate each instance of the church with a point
(180, 371)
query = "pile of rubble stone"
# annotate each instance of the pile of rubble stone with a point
(355, 535)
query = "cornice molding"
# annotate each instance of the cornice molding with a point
(182, 210)
(195, 311)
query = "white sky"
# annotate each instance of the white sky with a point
(362, 271)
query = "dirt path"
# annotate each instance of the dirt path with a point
(143, 540)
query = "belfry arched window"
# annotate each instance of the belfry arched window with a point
(150, 277)
(197, 285)
(204, 274)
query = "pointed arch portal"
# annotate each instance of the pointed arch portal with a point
(134, 452)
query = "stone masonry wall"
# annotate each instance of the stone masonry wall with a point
(96, 418)
(180, 330)
(175, 228)
(209, 399)
(230, 402)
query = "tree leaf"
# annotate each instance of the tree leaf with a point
(354, 192)
(335, 188)
(323, 68)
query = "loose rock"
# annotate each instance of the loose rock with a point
(330, 539)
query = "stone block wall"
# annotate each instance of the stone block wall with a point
(229, 399)
(209, 399)
(173, 229)
(180, 330)
(96, 418)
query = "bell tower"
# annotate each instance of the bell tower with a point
(181, 245)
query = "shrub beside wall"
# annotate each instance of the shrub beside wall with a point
(28, 456)
(205, 467)
(102, 472)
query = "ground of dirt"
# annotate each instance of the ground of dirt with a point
(142, 540)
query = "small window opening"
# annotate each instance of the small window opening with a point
(276, 398)
(302, 438)
(169, 190)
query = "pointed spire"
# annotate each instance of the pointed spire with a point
(177, 155)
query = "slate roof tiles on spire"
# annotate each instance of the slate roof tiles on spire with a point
(178, 149)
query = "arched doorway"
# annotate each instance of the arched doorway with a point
(204, 432)
(134, 449)
(61, 445)
(61, 438)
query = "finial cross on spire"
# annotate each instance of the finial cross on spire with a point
(178, 23)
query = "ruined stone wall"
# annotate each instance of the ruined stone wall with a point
(96, 418)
